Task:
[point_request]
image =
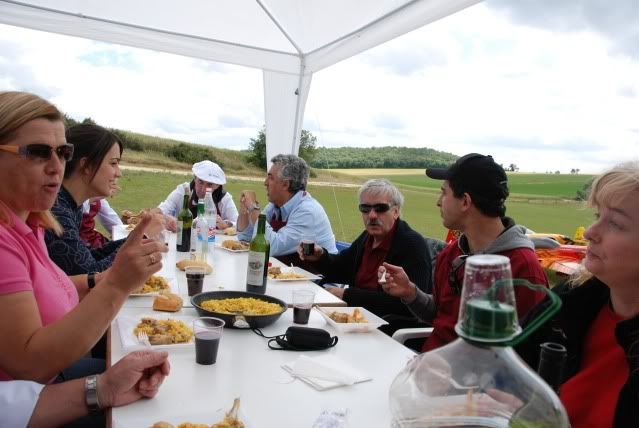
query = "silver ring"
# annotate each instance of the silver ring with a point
(152, 257)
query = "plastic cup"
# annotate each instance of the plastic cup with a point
(194, 279)
(302, 304)
(208, 333)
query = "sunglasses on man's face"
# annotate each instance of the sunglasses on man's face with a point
(40, 151)
(378, 208)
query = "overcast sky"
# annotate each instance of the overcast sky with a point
(545, 84)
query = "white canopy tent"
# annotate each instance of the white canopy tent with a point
(288, 39)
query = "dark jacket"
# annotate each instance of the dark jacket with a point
(408, 249)
(69, 251)
(580, 307)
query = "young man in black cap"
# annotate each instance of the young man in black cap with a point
(472, 200)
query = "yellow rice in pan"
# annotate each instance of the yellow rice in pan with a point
(241, 305)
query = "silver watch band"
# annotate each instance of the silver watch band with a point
(91, 393)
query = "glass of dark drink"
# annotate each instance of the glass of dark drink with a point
(208, 332)
(308, 247)
(302, 304)
(194, 279)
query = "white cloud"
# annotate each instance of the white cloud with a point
(481, 80)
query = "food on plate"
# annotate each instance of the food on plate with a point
(231, 231)
(154, 284)
(231, 419)
(128, 217)
(241, 305)
(343, 317)
(183, 264)
(276, 272)
(164, 332)
(167, 302)
(235, 245)
(182, 425)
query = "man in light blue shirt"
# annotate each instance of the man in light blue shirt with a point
(292, 214)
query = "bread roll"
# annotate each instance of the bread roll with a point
(183, 264)
(167, 302)
(231, 231)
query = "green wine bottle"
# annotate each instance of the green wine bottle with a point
(184, 223)
(257, 270)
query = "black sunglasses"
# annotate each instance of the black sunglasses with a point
(40, 151)
(378, 208)
(453, 274)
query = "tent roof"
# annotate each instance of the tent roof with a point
(288, 39)
(276, 35)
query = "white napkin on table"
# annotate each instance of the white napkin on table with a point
(325, 372)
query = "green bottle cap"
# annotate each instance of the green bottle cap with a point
(488, 320)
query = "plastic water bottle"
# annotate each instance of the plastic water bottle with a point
(210, 215)
(201, 231)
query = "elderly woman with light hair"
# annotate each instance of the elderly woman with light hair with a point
(386, 239)
(599, 320)
(48, 320)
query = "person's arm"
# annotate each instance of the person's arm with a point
(137, 375)
(172, 205)
(421, 304)
(70, 252)
(107, 216)
(29, 350)
(228, 211)
(300, 223)
(249, 212)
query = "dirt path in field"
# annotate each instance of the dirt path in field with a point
(232, 177)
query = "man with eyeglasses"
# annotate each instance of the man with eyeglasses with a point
(472, 200)
(387, 238)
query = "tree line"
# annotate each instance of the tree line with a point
(381, 157)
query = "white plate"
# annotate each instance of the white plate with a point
(307, 275)
(173, 288)
(230, 250)
(352, 327)
(176, 417)
(127, 323)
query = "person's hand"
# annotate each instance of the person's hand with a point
(221, 224)
(170, 223)
(137, 259)
(137, 375)
(317, 253)
(396, 283)
(336, 291)
(248, 199)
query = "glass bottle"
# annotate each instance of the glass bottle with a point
(200, 237)
(552, 359)
(211, 216)
(478, 380)
(184, 222)
(257, 269)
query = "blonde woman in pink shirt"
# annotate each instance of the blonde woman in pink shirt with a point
(48, 320)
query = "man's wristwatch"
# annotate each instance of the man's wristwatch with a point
(91, 279)
(91, 394)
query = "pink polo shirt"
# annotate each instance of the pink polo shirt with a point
(26, 266)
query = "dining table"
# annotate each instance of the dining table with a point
(248, 369)
(229, 274)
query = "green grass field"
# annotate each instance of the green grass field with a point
(563, 186)
(148, 189)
